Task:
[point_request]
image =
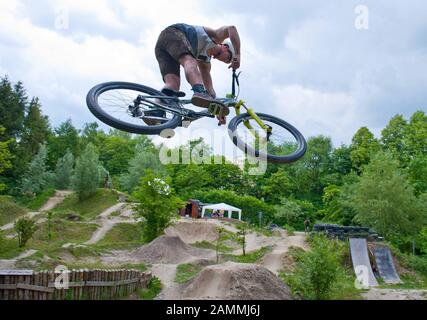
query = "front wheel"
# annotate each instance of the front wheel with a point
(282, 143)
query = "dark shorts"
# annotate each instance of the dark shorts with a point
(171, 46)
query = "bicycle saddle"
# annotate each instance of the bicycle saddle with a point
(173, 93)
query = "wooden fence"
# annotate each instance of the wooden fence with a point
(83, 284)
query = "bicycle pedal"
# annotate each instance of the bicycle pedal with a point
(218, 109)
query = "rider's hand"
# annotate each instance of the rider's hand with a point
(235, 64)
(222, 121)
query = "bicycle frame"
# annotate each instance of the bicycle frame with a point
(230, 101)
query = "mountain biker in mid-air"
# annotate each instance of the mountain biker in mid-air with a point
(193, 47)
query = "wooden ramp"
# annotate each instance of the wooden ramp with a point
(361, 263)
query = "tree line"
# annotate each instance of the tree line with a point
(377, 182)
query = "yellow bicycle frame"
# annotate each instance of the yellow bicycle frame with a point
(254, 116)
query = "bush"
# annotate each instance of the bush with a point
(87, 174)
(154, 288)
(25, 229)
(317, 270)
(157, 205)
(289, 229)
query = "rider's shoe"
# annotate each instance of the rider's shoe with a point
(157, 113)
(215, 107)
(202, 99)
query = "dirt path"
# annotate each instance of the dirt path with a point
(166, 273)
(60, 195)
(9, 264)
(395, 294)
(273, 261)
(107, 222)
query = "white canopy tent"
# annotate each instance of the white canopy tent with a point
(224, 207)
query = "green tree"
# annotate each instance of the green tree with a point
(241, 236)
(157, 204)
(64, 171)
(385, 201)
(416, 134)
(317, 270)
(417, 173)
(36, 130)
(363, 148)
(277, 186)
(5, 156)
(25, 229)
(393, 138)
(37, 176)
(312, 170)
(13, 104)
(66, 137)
(422, 240)
(116, 153)
(191, 177)
(288, 213)
(143, 160)
(87, 174)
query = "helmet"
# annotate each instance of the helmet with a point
(230, 48)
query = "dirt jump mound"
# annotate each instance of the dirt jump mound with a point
(171, 250)
(235, 281)
(192, 232)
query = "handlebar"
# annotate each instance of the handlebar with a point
(235, 81)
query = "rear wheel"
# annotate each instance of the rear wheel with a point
(117, 105)
(284, 144)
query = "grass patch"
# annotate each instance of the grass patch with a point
(251, 257)
(36, 203)
(186, 272)
(409, 281)
(9, 249)
(10, 210)
(209, 245)
(62, 232)
(153, 290)
(122, 236)
(89, 208)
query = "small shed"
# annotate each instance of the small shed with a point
(223, 206)
(192, 209)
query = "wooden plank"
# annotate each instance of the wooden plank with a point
(25, 286)
(16, 272)
(2, 292)
(20, 291)
(51, 278)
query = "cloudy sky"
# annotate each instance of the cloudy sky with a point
(304, 61)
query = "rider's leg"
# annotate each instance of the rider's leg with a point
(192, 72)
(172, 81)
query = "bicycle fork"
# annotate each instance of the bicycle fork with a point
(254, 116)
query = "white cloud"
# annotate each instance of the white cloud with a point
(314, 112)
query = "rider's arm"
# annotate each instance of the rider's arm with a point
(230, 32)
(205, 70)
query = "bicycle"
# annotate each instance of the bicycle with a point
(150, 112)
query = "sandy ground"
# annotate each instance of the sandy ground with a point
(395, 294)
(236, 281)
(274, 261)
